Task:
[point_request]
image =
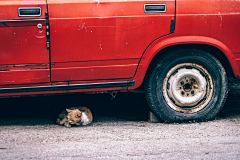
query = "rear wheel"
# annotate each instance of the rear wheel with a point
(187, 84)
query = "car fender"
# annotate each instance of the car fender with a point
(169, 41)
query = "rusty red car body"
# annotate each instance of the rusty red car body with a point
(62, 46)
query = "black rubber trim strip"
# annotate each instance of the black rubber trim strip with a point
(68, 87)
(4, 24)
(23, 65)
(22, 20)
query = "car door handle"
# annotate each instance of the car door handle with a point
(154, 8)
(29, 12)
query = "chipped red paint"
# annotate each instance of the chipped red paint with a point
(106, 41)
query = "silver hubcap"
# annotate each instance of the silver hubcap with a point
(187, 88)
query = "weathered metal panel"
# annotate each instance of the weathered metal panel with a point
(23, 44)
(84, 31)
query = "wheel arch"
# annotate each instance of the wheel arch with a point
(162, 47)
(216, 52)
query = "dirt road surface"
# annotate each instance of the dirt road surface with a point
(120, 130)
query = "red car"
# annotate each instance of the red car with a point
(180, 51)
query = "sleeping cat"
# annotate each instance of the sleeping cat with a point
(75, 116)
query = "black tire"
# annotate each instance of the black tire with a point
(176, 90)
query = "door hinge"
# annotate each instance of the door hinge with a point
(47, 30)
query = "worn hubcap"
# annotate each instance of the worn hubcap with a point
(187, 88)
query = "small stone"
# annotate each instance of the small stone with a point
(153, 118)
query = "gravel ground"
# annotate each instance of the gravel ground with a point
(120, 130)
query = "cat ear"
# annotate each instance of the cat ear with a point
(68, 110)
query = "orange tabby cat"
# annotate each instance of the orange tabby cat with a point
(75, 116)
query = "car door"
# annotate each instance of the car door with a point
(24, 57)
(96, 40)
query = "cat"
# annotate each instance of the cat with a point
(75, 116)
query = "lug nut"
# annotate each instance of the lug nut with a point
(182, 93)
(182, 83)
(192, 92)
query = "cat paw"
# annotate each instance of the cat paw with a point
(67, 125)
(58, 121)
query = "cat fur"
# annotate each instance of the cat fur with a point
(75, 116)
